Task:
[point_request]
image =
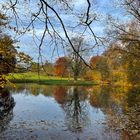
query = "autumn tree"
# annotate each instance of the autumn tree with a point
(100, 63)
(126, 48)
(131, 52)
(94, 60)
(9, 56)
(125, 40)
(61, 67)
(7, 49)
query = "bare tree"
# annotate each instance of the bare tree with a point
(76, 64)
(48, 14)
(125, 36)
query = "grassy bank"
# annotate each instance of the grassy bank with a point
(43, 79)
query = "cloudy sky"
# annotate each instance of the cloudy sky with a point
(29, 44)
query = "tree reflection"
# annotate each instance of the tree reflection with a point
(60, 94)
(6, 108)
(74, 104)
(100, 98)
(34, 89)
(133, 96)
(94, 98)
(124, 115)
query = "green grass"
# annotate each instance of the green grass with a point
(46, 80)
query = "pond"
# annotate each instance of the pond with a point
(41, 112)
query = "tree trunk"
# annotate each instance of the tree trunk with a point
(75, 76)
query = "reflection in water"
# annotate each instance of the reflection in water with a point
(126, 116)
(6, 108)
(87, 110)
(76, 110)
(60, 94)
(133, 96)
(121, 107)
(73, 103)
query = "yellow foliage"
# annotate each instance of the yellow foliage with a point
(3, 81)
(119, 78)
(96, 76)
(119, 97)
(92, 75)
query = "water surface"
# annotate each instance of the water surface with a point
(42, 112)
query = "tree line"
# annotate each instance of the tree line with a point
(118, 63)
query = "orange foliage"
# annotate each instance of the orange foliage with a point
(60, 68)
(94, 60)
(60, 94)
